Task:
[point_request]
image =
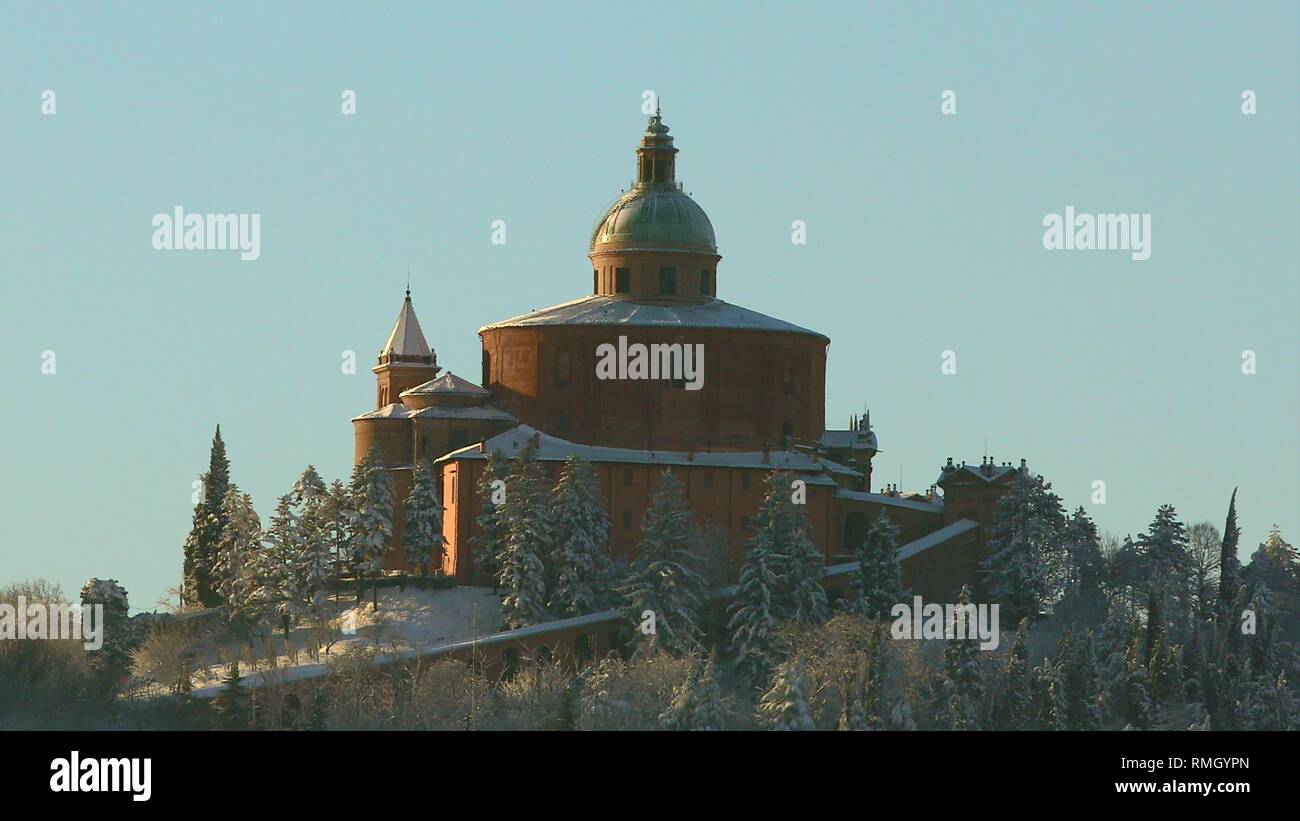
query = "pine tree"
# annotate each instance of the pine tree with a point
(1025, 546)
(490, 542)
(781, 578)
(113, 660)
(585, 573)
(313, 567)
(237, 561)
(1272, 706)
(1229, 568)
(528, 538)
(199, 585)
(785, 706)
(697, 703)
(1084, 598)
(1082, 683)
(1163, 549)
(372, 519)
(1138, 711)
(663, 579)
(963, 679)
(230, 702)
(337, 516)
(1017, 695)
(422, 536)
(879, 583)
(279, 586)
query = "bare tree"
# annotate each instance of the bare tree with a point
(1203, 553)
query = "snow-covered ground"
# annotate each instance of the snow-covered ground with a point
(405, 620)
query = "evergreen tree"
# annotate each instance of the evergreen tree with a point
(697, 703)
(113, 659)
(529, 536)
(313, 567)
(490, 542)
(1082, 683)
(963, 680)
(879, 583)
(781, 578)
(1138, 712)
(230, 703)
(237, 561)
(279, 586)
(337, 516)
(785, 706)
(1017, 694)
(1025, 546)
(585, 573)
(1229, 567)
(1272, 706)
(372, 519)
(1084, 599)
(1163, 549)
(199, 586)
(663, 579)
(422, 536)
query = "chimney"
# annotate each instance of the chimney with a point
(482, 445)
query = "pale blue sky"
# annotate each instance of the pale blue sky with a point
(924, 233)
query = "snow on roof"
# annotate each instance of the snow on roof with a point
(986, 473)
(849, 439)
(447, 384)
(393, 411)
(552, 449)
(406, 339)
(623, 312)
(910, 549)
(895, 501)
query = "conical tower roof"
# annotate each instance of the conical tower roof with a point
(407, 343)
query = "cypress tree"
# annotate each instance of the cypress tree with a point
(199, 586)
(1229, 567)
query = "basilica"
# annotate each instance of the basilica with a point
(755, 401)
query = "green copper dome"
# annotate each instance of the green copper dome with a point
(656, 214)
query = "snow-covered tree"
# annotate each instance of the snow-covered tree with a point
(1025, 539)
(785, 705)
(1229, 567)
(1084, 599)
(372, 519)
(1163, 549)
(336, 514)
(663, 579)
(780, 580)
(422, 536)
(113, 658)
(1017, 695)
(962, 689)
(312, 508)
(490, 542)
(1138, 711)
(879, 583)
(199, 587)
(585, 573)
(528, 537)
(280, 587)
(697, 703)
(1077, 661)
(236, 567)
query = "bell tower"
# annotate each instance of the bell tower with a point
(406, 359)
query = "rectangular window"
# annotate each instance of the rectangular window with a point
(627, 519)
(708, 478)
(706, 283)
(595, 281)
(563, 368)
(622, 280)
(787, 379)
(627, 477)
(667, 280)
(744, 481)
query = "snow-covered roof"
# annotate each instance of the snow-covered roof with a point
(449, 384)
(477, 413)
(849, 439)
(894, 501)
(912, 548)
(985, 473)
(393, 411)
(406, 339)
(553, 449)
(624, 312)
